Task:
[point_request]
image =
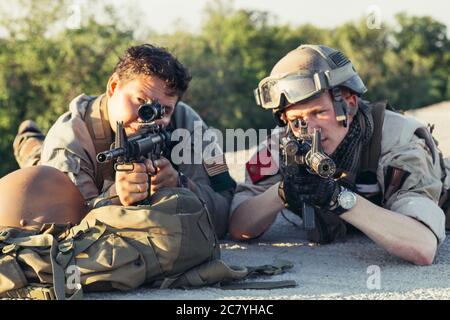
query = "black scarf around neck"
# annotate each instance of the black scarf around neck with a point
(348, 154)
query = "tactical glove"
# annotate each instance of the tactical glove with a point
(311, 189)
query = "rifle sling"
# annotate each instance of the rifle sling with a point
(371, 156)
(97, 122)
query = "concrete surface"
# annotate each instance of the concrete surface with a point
(336, 271)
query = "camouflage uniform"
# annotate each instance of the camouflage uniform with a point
(28, 144)
(69, 147)
(417, 197)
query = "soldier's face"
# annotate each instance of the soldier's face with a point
(318, 113)
(125, 98)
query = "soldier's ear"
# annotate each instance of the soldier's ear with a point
(350, 98)
(113, 82)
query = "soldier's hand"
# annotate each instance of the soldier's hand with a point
(310, 188)
(132, 186)
(166, 175)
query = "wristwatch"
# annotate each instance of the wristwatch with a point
(182, 180)
(345, 201)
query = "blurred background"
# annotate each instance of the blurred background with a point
(52, 51)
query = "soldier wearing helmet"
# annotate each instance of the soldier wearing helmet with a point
(388, 180)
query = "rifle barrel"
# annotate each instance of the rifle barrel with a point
(107, 156)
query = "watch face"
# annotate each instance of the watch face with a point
(347, 200)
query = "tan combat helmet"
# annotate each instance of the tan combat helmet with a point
(36, 195)
(303, 74)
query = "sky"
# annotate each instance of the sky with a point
(163, 13)
(167, 15)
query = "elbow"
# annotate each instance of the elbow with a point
(240, 235)
(419, 249)
(240, 232)
(235, 235)
(245, 225)
(424, 256)
(421, 255)
(426, 251)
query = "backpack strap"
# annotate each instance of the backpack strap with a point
(371, 156)
(220, 275)
(279, 267)
(97, 122)
(260, 285)
(35, 291)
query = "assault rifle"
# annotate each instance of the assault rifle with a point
(150, 141)
(304, 155)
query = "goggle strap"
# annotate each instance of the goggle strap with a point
(257, 97)
(340, 107)
(320, 81)
(340, 75)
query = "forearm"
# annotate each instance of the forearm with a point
(255, 215)
(400, 235)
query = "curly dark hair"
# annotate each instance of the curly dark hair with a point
(150, 60)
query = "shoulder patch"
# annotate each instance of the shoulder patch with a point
(215, 165)
(261, 165)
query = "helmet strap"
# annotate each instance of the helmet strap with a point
(278, 120)
(279, 111)
(340, 106)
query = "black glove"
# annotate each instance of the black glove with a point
(311, 189)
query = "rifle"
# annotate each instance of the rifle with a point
(150, 141)
(304, 155)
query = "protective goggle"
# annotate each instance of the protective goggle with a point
(299, 86)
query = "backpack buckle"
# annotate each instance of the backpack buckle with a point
(65, 247)
(9, 248)
(4, 234)
(32, 292)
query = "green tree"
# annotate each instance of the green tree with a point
(420, 64)
(44, 65)
(367, 49)
(233, 52)
(43, 70)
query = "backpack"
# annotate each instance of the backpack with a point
(168, 244)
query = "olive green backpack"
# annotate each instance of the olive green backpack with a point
(169, 244)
